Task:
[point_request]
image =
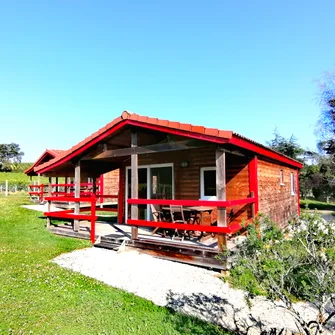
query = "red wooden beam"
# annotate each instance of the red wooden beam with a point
(62, 215)
(190, 203)
(253, 181)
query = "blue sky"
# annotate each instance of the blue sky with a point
(68, 67)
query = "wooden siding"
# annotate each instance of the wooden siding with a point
(111, 182)
(276, 200)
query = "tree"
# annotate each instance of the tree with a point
(9, 154)
(298, 263)
(326, 124)
(288, 147)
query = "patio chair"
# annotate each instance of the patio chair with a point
(158, 216)
(177, 209)
(174, 209)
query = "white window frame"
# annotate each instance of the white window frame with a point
(281, 177)
(293, 185)
(202, 183)
(148, 167)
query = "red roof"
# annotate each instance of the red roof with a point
(52, 153)
(183, 129)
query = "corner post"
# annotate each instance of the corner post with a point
(221, 195)
(76, 194)
(134, 185)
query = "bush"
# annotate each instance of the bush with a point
(314, 204)
(297, 263)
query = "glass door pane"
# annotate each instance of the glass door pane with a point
(142, 192)
(161, 183)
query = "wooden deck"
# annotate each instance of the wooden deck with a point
(112, 235)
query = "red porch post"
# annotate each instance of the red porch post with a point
(253, 181)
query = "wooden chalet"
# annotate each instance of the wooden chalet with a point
(182, 189)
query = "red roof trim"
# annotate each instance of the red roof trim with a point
(263, 151)
(71, 154)
(51, 152)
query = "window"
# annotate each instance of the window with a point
(282, 178)
(207, 182)
(293, 190)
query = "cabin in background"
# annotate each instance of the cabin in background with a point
(107, 182)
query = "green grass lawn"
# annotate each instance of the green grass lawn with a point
(314, 204)
(18, 178)
(39, 297)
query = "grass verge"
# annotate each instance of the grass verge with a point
(39, 297)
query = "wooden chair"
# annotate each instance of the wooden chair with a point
(158, 216)
(180, 212)
(177, 209)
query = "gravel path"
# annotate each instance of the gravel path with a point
(185, 288)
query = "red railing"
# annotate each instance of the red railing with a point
(40, 193)
(231, 229)
(40, 190)
(69, 213)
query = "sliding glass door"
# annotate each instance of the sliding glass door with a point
(154, 182)
(142, 191)
(161, 182)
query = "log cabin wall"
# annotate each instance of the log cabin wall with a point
(275, 199)
(187, 179)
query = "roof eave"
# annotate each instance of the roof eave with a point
(261, 150)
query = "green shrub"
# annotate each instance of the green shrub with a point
(297, 263)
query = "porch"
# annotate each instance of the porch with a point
(118, 236)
